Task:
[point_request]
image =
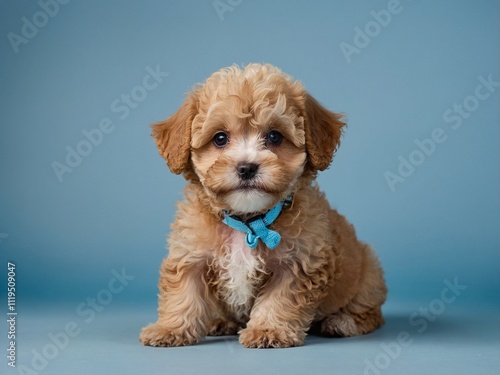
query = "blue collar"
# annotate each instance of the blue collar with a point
(257, 226)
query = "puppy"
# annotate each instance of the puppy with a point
(255, 248)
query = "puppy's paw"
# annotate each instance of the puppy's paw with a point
(221, 327)
(339, 325)
(158, 335)
(269, 338)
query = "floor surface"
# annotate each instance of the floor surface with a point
(71, 339)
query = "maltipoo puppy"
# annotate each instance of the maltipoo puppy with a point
(255, 248)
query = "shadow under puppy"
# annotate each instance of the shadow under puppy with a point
(255, 248)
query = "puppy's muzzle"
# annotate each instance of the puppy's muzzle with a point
(247, 171)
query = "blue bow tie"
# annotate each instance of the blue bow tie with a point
(257, 227)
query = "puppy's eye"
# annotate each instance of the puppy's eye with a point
(274, 137)
(220, 139)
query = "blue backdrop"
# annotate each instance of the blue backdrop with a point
(83, 190)
(85, 197)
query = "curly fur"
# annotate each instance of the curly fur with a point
(319, 276)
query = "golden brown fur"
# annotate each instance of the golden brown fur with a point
(211, 283)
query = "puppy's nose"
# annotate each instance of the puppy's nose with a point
(246, 171)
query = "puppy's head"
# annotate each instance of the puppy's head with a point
(248, 136)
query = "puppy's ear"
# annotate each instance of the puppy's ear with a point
(322, 130)
(173, 136)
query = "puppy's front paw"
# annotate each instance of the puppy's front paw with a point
(158, 335)
(269, 338)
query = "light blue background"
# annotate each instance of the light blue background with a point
(114, 209)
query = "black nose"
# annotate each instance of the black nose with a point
(246, 171)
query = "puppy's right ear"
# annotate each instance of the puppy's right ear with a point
(173, 136)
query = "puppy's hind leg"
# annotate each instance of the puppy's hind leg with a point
(363, 314)
(346, 324)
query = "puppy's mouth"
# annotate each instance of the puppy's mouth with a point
(243, 188)
(257, 187)
(253, 186)
(250, 185)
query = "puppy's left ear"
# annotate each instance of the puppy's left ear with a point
(173, 136)
(322, 132)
